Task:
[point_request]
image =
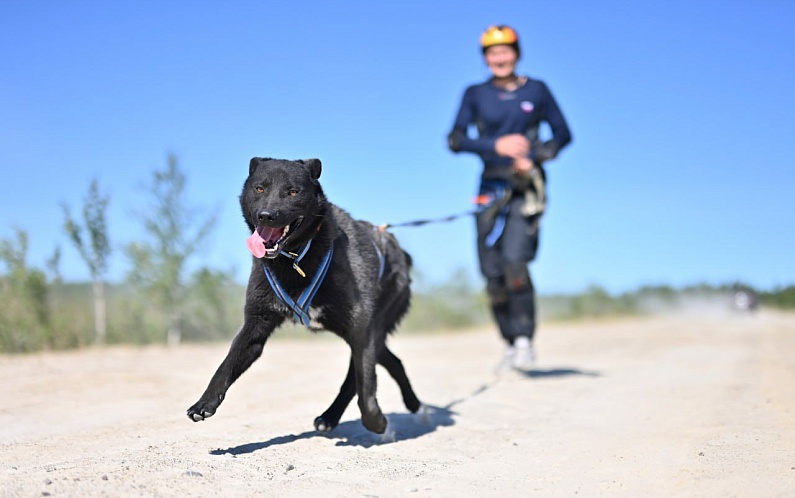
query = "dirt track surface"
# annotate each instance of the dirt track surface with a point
(677, 406)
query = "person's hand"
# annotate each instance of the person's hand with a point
(522, 165)
(515, 146)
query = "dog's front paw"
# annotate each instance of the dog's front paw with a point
(323, 425)
(199, 412)
(203, 409)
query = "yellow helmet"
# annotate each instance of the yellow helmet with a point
(499, 35)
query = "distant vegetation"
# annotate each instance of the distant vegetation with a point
(36, 314)
(158, 302)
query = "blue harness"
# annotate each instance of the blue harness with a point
(300, 306)
(381, 258)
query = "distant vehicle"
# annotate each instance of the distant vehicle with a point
(745, 300)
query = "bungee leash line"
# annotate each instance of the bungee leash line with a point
(482, 201)
(416, 223)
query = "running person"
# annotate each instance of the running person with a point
(507, 111)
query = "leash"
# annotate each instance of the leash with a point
(484, 203)
(493, 205)
(417, 223)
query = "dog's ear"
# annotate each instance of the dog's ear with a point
(314, 167)
(252, 165)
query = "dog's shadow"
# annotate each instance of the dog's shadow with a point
(401, 427)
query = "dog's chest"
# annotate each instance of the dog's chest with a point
(315, 317)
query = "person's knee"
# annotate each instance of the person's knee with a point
(497, 291)
(517, 277)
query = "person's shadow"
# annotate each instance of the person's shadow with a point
(401, 426)
(557, 372)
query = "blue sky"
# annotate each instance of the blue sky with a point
(682, 113)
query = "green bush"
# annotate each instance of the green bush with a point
(781, 298)
(36, 314)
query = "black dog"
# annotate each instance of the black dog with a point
(317, 265)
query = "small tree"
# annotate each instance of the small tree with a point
(53, 265)
(24, 308)
(94, 252)
(158, 264)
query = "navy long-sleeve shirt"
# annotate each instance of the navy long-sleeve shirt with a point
(497, 112)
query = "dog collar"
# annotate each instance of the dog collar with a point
(300, 306)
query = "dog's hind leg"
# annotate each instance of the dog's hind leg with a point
(395, 368)
(331, 417)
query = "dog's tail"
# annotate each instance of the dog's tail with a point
(393, 248)
(409, 261)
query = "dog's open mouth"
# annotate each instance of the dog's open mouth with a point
(266, 242)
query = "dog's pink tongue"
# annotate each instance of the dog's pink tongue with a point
(256, 245)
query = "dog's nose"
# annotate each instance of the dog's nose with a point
(266, 215)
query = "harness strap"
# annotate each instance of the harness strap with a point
(300, 306)
(381, 258)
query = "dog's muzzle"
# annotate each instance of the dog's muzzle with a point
(266, 242)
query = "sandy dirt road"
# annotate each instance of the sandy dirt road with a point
(676, 406)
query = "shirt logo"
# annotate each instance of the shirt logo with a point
(527, 106)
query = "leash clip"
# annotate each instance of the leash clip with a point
(296, 257)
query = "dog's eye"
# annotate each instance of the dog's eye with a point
(292, 193)
(259, 188)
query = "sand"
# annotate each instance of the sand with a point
(688, 405)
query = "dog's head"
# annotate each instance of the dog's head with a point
(283, 204)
